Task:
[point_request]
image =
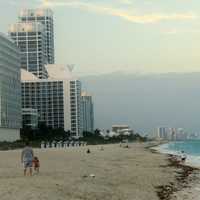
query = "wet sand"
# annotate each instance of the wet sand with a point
(133, 173)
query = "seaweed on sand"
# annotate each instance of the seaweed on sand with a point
(165, 192)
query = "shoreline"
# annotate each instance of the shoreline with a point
(117, 173)
(112, 173)
(186, 175)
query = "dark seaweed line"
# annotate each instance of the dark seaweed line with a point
(165, 192)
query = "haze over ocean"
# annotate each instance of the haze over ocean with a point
(146, 101)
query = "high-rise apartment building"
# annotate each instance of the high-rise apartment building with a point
(44, 16)
(10, 90)
(56, 99)
(163, 132)
(31, 40)
(50, 93)
(87, 112)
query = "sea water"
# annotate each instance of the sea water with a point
(190, 147)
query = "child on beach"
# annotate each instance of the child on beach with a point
(36, 164)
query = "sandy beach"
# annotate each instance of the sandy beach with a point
(132, 173)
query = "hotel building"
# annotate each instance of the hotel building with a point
(56, 99)
(10, 90)
(45, 17)
(31, 40)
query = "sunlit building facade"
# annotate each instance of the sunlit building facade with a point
(44, 16)
(10, 92)
(31, 40)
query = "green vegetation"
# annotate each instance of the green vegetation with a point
(96, 138)
(43, 133)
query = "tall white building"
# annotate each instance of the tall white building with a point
(10, 92)
(30, 37)
(44, 16)
(87, 112)
(56, 99)
(163, 133)
(169, 133)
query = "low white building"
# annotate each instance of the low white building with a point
(122, 129)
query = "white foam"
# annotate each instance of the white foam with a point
(164, 148)
(191, 160)
(194, 191)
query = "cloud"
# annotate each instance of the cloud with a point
(171, 32)
(125, 14)
(181, 31)
(126, 2)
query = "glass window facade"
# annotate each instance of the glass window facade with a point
(30, 118)
(44, 16)
(87, 113)
(51, 98)
(10, 86)
(47, 98)
(31, 40)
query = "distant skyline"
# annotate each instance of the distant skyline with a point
(147, 101)
(144, 36)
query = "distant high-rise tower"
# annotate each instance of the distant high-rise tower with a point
(163, 132)
(57, 99)
(44, 16)
(31, 40)
(87, 112)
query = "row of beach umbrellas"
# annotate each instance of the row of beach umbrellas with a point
(61, 144)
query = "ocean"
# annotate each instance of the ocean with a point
(190, 147)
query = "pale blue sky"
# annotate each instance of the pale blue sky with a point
(102, 36)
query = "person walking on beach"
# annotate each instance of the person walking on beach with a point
(27, 158)
(183, 156)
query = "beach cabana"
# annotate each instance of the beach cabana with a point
(42, 145)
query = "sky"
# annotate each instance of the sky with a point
(145, 102)
(130, 36)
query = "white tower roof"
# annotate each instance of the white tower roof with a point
(27, 76)
(56, 71)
